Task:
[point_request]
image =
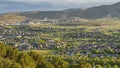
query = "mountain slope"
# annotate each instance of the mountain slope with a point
(103, 11)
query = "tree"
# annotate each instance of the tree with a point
(2, 50)
(42, 41)
(11, 53)
(36, 57)
(109, 66)
(98, 66)
(5, 63)
(74, 65)
(59, 63)
(40, 60)
(26, 61)
(15, 65)
(1, 63)
(115, 66)
(85, 65)
(44, 64)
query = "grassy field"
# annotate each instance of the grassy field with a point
(43, 52)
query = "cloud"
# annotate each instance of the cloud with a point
(2, 6)
(64, 1)
(45, 5)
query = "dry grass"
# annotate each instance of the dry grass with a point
(43, 52)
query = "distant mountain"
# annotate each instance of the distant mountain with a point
(90, 13)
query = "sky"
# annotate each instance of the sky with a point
(49, 5)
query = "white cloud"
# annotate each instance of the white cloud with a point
(32, 5)
(66, 1)
(3, 5)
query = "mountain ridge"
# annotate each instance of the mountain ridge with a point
(90, 13)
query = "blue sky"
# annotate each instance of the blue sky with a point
(47, 5)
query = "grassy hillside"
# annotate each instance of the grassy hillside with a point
(8, 18)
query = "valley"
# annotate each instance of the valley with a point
(71, 38)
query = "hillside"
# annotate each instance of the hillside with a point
(90, 13)
(8, 18)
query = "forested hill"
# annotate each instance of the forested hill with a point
(90, 13)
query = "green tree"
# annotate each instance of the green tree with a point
(44, 64)
(26, 61)
(109, 66)
(1, 63)
(42, 41)
(98, 66)
(85, 65)
(40, 60)
(60, 63)
(74, 65)
(5, 63)
(12, 53)
(116, 66)
(15, 65)
(2, 50)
